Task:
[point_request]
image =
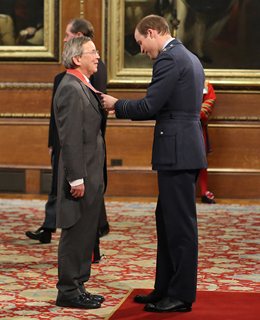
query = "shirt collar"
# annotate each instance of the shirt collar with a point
(167, 42)
(87, 79)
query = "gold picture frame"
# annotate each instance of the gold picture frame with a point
(44, 45)
(136, 72)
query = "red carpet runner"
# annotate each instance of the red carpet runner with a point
(210, 305)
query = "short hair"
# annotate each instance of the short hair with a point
(83, 26)
(153, 22)
(73, 48)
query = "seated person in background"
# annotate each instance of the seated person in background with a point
(209, 98)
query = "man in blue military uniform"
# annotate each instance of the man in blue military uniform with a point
(173, 99)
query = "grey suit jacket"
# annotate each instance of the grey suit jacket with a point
(78, 118)
(173, 99)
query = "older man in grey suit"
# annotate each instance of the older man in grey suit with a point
(79, 119)
(173, 99)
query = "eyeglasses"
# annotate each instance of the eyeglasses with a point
(91, 52)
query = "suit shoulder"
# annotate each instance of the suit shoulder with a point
(65, 86)
(59, 77)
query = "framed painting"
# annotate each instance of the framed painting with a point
(224, 34)
(29, 30)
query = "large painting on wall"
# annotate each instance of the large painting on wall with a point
(224, 34)
(29, 30)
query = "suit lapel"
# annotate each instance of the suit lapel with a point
(97, 105)
(88, 92)
(84, 85)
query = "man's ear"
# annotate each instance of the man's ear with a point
(77, 60)
(79, 34)
(151, 33)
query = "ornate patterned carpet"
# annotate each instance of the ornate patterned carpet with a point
(228, 259)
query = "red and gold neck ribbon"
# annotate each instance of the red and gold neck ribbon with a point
(76, 73)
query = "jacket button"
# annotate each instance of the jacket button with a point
(161, 132)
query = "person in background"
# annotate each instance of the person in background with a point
(75, 28)
(173, 99)
(209, 98)
(80, 122)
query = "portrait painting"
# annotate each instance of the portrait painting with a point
(28, 30)
(223, 34)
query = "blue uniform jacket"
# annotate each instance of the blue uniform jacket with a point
(173, 99)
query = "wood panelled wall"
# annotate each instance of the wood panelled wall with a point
(25, 95)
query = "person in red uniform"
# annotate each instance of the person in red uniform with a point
(209, 98)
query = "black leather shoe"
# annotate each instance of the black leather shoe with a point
(152, 297)
(81, 302)
(208, 197)
(42, 235)
(168, 304)
(94, 297)
(205, 199)
(96, 259)
(103, 231)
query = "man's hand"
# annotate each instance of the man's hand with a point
(78, 191)
(108, 102)
(28, 32)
